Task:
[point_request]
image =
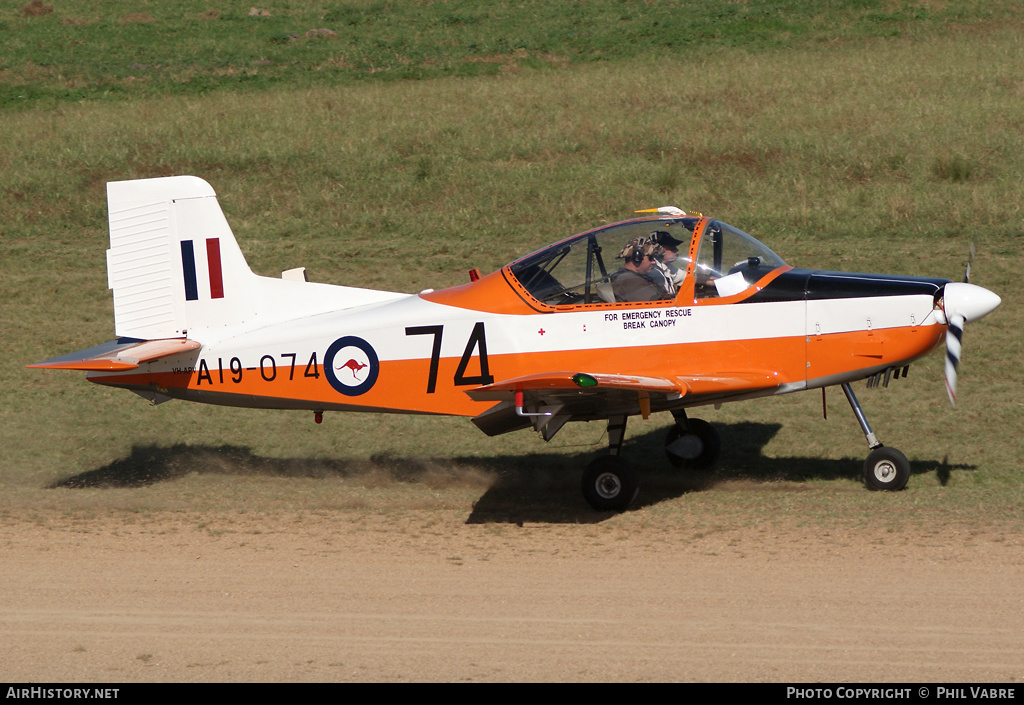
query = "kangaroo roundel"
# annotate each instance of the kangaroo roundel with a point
(351, 366)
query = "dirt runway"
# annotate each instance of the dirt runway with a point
(428, 597)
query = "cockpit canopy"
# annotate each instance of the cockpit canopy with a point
(583, 268)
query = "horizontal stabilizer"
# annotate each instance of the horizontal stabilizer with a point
(118, 355)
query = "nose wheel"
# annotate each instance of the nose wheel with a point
(885, 468)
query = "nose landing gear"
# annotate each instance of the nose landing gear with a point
(885, 468)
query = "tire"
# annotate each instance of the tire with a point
(886, 469)
(610, 484)
(709, 438)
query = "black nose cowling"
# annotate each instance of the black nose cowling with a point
(820, 285)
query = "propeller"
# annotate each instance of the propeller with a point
(961, 302)
(954, 344)
(967, 268)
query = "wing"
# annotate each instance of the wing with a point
(117, 355)
(548, 400)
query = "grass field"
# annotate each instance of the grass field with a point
(868, 136)
(100, 49)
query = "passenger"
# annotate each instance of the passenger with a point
(664, 273)
(633, 281)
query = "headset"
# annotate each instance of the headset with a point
(638, 254)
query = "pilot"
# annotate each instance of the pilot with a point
(633, 281)
(666, 274)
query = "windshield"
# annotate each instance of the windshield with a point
(635, 261)
(729, 261)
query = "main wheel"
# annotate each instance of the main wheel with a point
(696, 450)
(886, 469)
(610, 484)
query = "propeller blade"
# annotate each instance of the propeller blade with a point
(967, 269)
(954, 344)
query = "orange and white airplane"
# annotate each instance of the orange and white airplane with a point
(547, 339)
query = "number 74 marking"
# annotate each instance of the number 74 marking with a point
(477, 343)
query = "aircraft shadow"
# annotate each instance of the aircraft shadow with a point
(512, 498)
(150, 464)
(538, 487)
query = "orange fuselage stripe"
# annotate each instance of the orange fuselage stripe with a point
(402, 384)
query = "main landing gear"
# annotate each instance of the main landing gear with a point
(692, 443)
(885, 468)
(611, 484)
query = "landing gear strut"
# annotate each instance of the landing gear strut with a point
(885, 468)
(610, 483)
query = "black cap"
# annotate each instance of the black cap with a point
(665, 240)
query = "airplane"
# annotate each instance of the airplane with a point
(558, 335)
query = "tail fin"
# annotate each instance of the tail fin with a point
(173, 263)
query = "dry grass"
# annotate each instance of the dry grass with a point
(36, 8)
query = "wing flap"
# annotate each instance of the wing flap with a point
(587, 396)
(119, 355)
(681, 385)
(730, 382)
